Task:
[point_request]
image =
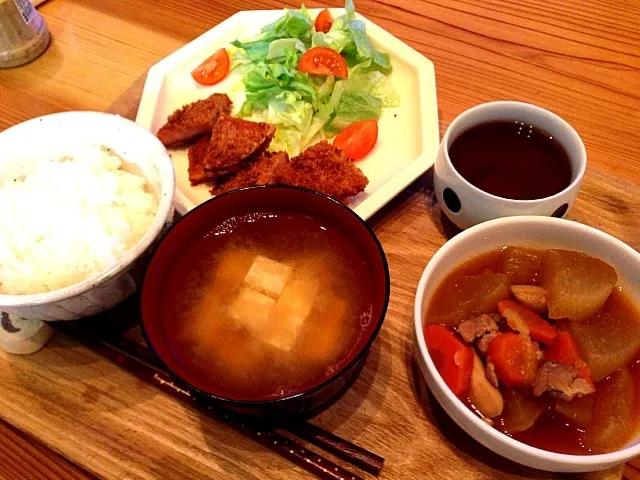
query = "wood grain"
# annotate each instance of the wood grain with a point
(581, 59)
(632, 470)
(24, 457)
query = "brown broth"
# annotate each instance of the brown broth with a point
(511, 159)
(237, 352)
(552, 431)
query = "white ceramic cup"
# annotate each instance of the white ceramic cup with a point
(467, 205)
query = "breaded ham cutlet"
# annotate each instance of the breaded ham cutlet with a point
(193, 120)
(197, 154)
(236, 142)
(260, 172)
(326, 169)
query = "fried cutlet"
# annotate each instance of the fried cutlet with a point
(197, 153)
(324, 168)
(235, 142)
(260, 172)
(193, 120)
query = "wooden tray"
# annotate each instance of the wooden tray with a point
(115, 426)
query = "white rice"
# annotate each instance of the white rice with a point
(65, 219)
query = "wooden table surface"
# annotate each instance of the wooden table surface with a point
(67, 413)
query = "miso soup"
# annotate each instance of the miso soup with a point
(267, 305)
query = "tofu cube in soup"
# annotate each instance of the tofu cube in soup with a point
(290, 312)
(275, 302)
(251, 310)
(577, 285)
(267, 276)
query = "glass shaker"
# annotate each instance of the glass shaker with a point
(23, 33)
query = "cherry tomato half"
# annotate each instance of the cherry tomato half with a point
(323, 61)
(357, 140)
(324, 21)
(213, 69)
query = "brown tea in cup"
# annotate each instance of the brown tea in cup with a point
(511, 159)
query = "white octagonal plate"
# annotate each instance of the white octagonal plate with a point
(408, 135)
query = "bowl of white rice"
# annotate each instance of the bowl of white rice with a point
(84, 196)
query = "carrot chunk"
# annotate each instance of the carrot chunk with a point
(539, 329)
(514, 358)
(452, 357)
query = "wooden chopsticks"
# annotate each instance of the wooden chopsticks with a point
(139, 361)
(354, 454)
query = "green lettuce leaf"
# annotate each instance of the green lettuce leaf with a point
(341, 24)
(361, 68)
(355, 107)
(260, 76)
(320, 119)
(257, 51)
(339, 88)
(337, 40)
(378, 63)
(286, 140)
(376, 84)
(294, 24)
(325, 89)
(364, 52)
(363, 46)
(258, 100)
(303, 85)
(349, 37)
(350, 9)
(263, 81)
(289, 110)
(238, 57)
(382, 61)
(290, 59)
(282, 47)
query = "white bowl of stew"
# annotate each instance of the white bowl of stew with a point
(587, 417)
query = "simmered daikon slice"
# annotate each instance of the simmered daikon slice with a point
(470, 295)
(610, 340)
(577, 285)
(520, 412)
(521, 265)
(613, 425)
(579, 410)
